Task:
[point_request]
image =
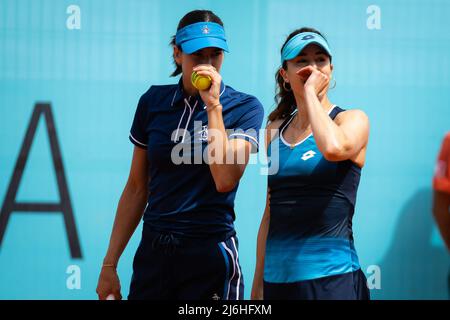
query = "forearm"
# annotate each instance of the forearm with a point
(327, 134)
(261, 248)
(225, 167)
(128, 215)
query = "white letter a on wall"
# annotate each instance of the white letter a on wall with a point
(74, 20)
(374, 19)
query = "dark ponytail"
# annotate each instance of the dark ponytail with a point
(190, 18)
(284, 97)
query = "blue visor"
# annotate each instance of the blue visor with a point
(201, 35)
(295, 45)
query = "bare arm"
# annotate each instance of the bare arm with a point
(340, 140)
(130, 208)
(337, 140)
(227, 157)
(441, 205)
(258, 278)
(128, 216)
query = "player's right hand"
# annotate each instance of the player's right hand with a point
(108, 283)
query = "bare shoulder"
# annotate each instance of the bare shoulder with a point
(273, 125)
(272, 130)
(354, 116)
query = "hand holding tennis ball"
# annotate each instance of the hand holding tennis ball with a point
(207, 79)
(200, 82)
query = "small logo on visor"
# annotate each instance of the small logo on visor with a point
(205, 30)
(307, 37)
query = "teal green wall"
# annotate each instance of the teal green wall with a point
(94, 76)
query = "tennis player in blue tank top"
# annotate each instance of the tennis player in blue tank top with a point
(305, 242)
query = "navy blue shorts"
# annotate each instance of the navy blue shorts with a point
(347, 286)
(169, 268)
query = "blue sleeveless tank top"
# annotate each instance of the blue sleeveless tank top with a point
(312, 203)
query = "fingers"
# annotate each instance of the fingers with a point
(316, 79)
(117, 295)
(100, 292)
(306, 70)
(209, 71)
(312, 78)
(210, 96)
(204, 67)
(216, 79)
(105, 289)
(102, 295)
(256, 296)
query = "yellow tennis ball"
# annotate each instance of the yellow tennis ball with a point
(203, 83)
(193, 77)
(200, 82)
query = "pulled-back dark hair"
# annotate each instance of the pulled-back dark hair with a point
(284, 99)
(190, 18)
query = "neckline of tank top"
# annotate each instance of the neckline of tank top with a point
(293, 145)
